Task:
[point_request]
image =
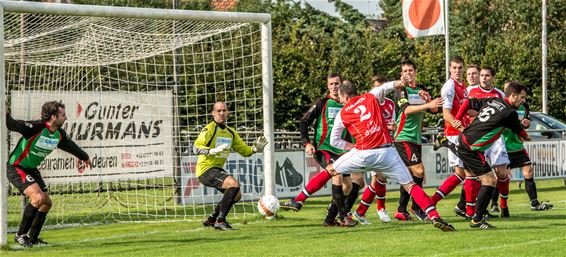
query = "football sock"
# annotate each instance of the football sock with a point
(483, 201)
(315, 184)
(447, 186)
(27, 219)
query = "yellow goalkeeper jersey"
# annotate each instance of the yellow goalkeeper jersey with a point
(215, 135)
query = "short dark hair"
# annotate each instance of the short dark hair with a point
(408, 62)
(475, 66)
(457, 59)
(515, 87)
(334, 75)
(50, 108)
(490, 69)
(378, 78)
(348, 88)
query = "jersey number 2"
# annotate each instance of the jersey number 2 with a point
(362, 111)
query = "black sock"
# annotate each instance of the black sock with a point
(351, 198)
(332, 212)
(37, 225)
(483, 201)
(338, 199)
(531, 189)
(403, 200)
(214, 214)
(462, 202)
(495, 196)
(418, 181)
(227, 202)
(27, 219)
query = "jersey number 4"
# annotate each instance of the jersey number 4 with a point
(362, 111)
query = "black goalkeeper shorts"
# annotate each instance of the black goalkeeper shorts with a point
(214, 177)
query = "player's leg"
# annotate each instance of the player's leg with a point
(388, 161)
(332, 209)
(315, 183)
(356, 182)
(26, 184)
(521, 160)
(222, 181)
(411, 156)
(456, 178)
(495, 200)
(477, 165)
(41, 215)
(497, 153)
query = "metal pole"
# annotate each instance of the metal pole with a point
(446, 40)
(544, 53)
(177, 149)
(268, 124)
(129, 12)
(3, 142)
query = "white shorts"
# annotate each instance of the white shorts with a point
(453, 159)
(497, 153)
(385, 160)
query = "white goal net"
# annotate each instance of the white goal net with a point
(138, 88)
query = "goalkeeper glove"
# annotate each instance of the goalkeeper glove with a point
(218, 149)
(259, 144)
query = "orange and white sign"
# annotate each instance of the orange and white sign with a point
(423, 17)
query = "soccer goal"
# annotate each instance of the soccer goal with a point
(138, 85)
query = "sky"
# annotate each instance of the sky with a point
(369, 8)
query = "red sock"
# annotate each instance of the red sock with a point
(380, 191)
(423, 201)
(367, 198)
(503, 187)
(447, 186)
(315, 184)
(471, 187)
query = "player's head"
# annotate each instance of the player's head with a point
(516, 93)
(347, 91)
(473, 74)
(486, 76)
(53, 112)
(378, 80)
(333, 82)
(409, 69)
(220, 112)
(506, 84)
(456, 67)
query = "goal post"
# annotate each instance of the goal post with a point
(138, 85)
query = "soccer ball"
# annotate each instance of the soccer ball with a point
(268, 205)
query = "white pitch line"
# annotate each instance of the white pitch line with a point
(459, 252)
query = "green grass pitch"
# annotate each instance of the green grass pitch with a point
(526, 233)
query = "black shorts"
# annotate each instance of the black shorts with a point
(22, 178)
(519, 159)
(324, 158)
(474, 161)
(410, 153)
(214, 177)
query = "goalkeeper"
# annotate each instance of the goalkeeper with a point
(213, 147)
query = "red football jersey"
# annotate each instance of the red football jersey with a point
(479, 92)
(388, 110)
(362, 117)
(454, 94)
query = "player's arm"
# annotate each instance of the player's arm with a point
(240, 146)
(307, 120)
(526, 122)
(381, 91)
(69, 146)
(512, 122)
(26, 128)
(204, 141)
(447, 93)
(336, 135)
